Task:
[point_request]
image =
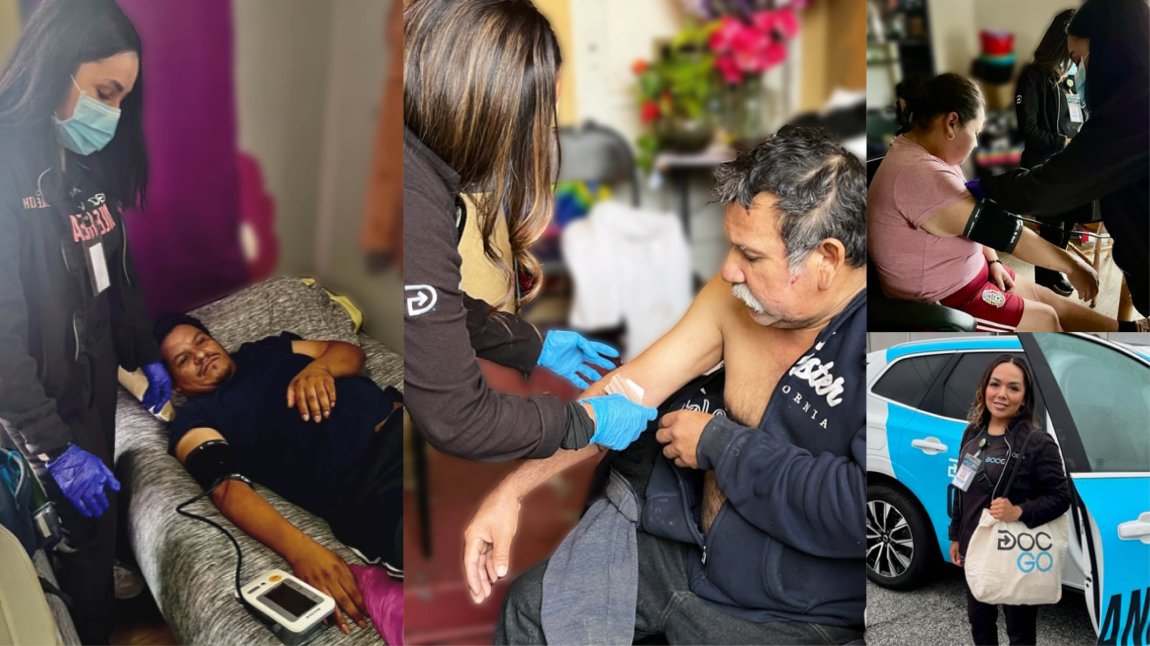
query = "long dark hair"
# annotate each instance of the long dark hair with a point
(59, 37)
(479, 91)
(979, 415)
(1052, 55)
(1119, 33)
(920, 101)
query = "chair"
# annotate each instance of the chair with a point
(886, 314)
(595, 153)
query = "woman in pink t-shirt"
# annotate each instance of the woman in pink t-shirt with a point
(917, 207)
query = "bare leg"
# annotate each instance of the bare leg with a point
(1038, 317)
(1073, 315)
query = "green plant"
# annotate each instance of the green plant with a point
(680, 82)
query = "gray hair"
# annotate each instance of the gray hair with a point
(820, 186)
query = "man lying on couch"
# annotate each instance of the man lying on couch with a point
(269, 414)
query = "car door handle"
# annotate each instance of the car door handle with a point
(929, 445)
(1133, 530)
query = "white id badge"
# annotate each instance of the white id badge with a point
(966, 472)
(1073, 103)
(97, 267)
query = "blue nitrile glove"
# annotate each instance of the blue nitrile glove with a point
(159, 387)
(82, 477)
(975, 188)
(618, 420)
(565, 353)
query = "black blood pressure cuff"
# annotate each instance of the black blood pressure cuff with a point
(211, 463)
(990, 225)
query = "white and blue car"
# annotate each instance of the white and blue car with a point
(1093, 396)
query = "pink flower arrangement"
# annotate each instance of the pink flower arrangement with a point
(745, 49)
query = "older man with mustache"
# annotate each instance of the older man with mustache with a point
(751, 523)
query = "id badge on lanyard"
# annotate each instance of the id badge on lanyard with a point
(1074, 104)
(969, 468)
(97, 265)
(93, 247)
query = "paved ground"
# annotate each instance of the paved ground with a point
(936, 614)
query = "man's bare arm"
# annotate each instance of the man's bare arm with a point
(312, 391)
(310, 561)
(691, 348)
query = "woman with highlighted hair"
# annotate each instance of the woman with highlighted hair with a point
(479, 106)
(1002, 417)
(72, 157)
(919, 233)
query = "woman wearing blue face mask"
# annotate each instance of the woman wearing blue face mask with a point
(1109, 159)
(71, 157)
(1050, 112)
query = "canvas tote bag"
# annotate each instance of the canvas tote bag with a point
(1012, 564)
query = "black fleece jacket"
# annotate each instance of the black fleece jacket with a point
(1043, 115)
(444, 330)
(1109, 160)
(1039, 487)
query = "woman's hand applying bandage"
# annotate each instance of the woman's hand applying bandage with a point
(568, 354)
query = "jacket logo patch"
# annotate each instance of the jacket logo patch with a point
(421, 299)
(33, 202)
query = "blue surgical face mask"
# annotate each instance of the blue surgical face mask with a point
(91, 127)
(1080, 79)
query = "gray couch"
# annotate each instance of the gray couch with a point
(189, 566)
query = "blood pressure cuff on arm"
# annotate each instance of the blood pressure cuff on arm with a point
(990, 225)
(211, 463)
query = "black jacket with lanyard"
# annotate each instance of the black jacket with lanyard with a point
(1109, 160)
(70, 305)
(1032, 478)
(1041, 103)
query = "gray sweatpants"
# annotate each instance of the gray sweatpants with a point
(665, 606)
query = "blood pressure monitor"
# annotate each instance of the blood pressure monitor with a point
(293, 610)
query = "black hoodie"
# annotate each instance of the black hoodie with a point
(54, 330)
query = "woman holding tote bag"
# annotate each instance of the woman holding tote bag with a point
(1013, 470)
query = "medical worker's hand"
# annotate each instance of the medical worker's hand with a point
(1083, 277)
(487, 542)
(999, 276)
(975, 188)
(618, 420)
(312, 392)
(955, 556)
(82, 478)
(159, 387)
(680, 432)
(566, 354)
(324, 570)
(1003, 509)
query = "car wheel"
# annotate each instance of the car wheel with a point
(900, 546)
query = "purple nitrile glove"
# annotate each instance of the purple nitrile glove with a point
(159, 387)
(975, 188)
(618, 420)
(82, 478)
(566, 354)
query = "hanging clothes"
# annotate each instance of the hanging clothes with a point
(629, 265)
(382, 233)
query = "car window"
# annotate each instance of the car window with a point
(908, 379)
(1108, 394)
(955, 395)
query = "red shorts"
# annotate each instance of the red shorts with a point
(993, 309)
